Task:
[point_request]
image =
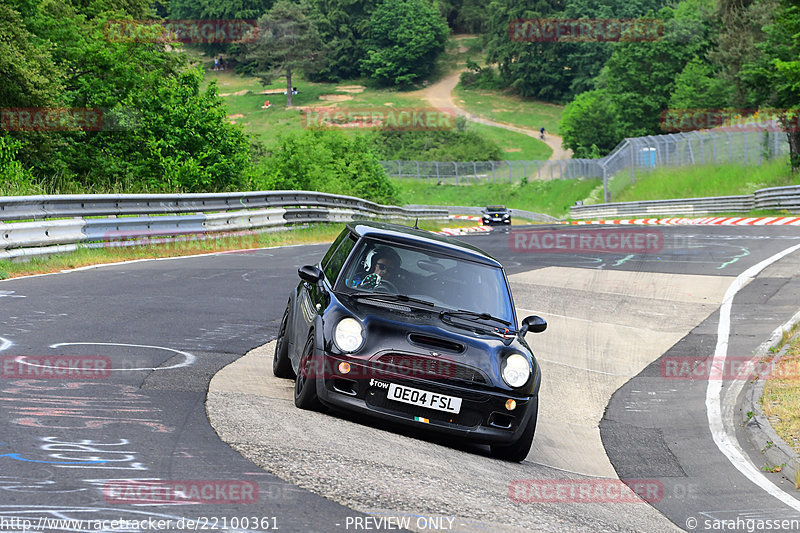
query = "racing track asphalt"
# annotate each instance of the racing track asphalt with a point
(150, 424)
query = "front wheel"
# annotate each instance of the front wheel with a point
(518, 451)
(305, 384)
(281, 366)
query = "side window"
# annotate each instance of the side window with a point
(325, 260)
(336, 261)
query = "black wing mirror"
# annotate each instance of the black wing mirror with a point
(310, 274)
(534, 324)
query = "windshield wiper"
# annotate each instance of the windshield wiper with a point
(391, 298)
(473, 314)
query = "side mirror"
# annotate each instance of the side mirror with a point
(534, 324)
(310, 274)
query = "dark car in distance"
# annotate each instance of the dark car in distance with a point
(414, 328)
(496, 214)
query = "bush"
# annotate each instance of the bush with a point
(478, 77)
(326, 161)
(447, 145)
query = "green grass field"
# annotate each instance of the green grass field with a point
(515, 146)
(510, 109)
(702, 181)
(553, 197)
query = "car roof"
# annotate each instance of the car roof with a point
(417, 238)
(496, 207)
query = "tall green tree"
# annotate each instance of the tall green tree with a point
(590, 123)
(403, 40)
(774, 78)
(288, 42)
(343, 27)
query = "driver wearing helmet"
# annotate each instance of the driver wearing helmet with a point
(385, 266)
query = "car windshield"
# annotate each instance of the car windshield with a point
(447, 282)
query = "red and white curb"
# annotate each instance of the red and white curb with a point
(721, 221)
(464, 217)
(463, 231)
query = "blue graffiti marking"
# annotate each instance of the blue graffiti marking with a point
(17, 457)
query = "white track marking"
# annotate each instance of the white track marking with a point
(189, 358)
(5, 344)
(724, 441)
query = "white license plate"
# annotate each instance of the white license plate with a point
(423, 398)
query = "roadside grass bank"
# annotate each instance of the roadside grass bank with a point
(701, 181)
(515, 146)
(781, 399)
(112, 253)
(508, 108)
(552, 197)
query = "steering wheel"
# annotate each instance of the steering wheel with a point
(386, 287)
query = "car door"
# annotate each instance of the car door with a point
(312, 299)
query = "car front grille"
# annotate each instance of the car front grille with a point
(430, 368)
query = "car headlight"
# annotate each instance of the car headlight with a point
(516, 370)
(348, 334)
(506, 215)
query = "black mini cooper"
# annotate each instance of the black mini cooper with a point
(416, 328)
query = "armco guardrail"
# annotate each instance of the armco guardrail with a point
(774, 198)
(135, 216)
(779, 198)
(89, 205)
(477, 211)
(687, 206)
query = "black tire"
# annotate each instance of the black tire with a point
(281, 366)
(305, 383)
(518, 451)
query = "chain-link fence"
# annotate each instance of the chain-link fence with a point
(631, 157)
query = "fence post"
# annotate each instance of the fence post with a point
(437, 172)
(399, 170)
(418, 170)
(714, 147)
(730, 147)
(492, 171)
(475, 170)
(606, 192)
(455, 164)
(524, 169)
(633, 162)
(744, 133)
(509, 171)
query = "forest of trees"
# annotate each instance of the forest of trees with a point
(161, 131)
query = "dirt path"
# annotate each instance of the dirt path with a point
(439, 95)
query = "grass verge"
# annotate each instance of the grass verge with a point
(701, 181)
(511, 109)
(553, 197)
(320, 233)
(781, 399)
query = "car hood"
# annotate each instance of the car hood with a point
(389, 330)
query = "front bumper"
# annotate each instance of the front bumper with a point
(493, 221)
(483, 416)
